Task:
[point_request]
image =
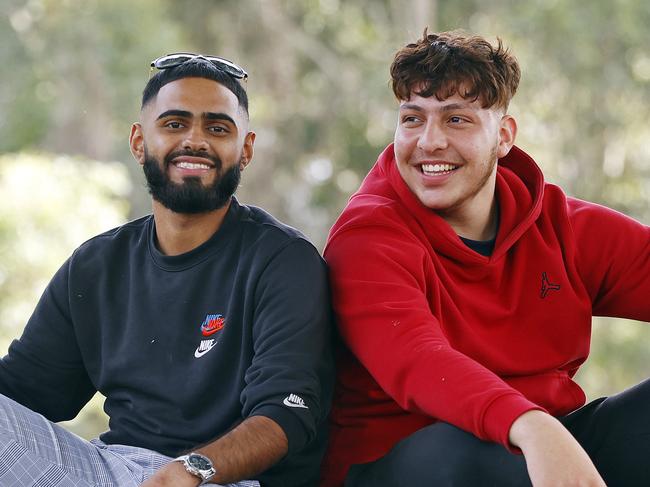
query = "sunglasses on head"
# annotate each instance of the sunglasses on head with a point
(176, 59)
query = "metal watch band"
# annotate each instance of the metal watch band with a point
(198, 465)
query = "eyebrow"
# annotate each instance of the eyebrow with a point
(219, 116)
(206, 115)
(444, 108)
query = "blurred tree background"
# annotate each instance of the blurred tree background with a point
(72, 72)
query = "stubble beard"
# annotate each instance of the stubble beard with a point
(191, 196)
(476, 189)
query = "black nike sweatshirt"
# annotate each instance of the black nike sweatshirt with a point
(185, 347)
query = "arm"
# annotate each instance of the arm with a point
(252, 447)
(553, 456)
(43, 369)
(613, 257)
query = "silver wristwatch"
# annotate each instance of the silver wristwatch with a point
(198, 465)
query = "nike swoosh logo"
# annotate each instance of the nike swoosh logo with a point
(291, 404)
(200, 353)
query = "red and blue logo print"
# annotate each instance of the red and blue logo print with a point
(212, 324)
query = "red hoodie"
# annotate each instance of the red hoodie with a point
(437, 331)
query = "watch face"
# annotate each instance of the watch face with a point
(199, 462)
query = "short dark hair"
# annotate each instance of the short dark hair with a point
(194, 68)
(446, 63)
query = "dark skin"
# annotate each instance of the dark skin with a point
(200, 115)
(249, 449)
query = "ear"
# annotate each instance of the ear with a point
(136, 143)
(247, 150)
(507, 134)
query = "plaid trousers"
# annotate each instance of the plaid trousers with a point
(37, 452)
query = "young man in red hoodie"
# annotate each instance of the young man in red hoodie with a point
(464, 287)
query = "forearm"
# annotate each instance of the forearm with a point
(530, 430)
(252, 447)
(553, 456)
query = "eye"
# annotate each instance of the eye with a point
(410, 120)
(217, 129)
(174, 124)
(455, 119)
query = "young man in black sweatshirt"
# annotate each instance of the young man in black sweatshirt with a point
(206, 325)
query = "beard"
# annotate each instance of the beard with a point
(190, 196)
(481, 181)
(492, 162)
(486, 175)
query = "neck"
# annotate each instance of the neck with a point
(481, 227)
(178, 233)
(477, 218)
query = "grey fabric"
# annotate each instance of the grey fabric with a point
(37, 452)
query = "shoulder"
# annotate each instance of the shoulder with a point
(375, 234)
(264, 234)
(577, 210)
(373, 221)
(116, 240)
(586, 219)
(598, 233)
(259, 222)
(585, 215)
(367, 212)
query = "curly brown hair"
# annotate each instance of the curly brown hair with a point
(446, 63)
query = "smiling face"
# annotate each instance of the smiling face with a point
(446, 152)
(193, 141)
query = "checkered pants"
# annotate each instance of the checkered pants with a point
(37, 452)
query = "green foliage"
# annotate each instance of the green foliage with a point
(50, 205)
(619, 357)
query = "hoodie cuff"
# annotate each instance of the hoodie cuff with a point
(292, 426)
(500, 415)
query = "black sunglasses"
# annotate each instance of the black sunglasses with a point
(176, 59)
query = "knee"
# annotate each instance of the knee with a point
(440, 454)
(444, 455)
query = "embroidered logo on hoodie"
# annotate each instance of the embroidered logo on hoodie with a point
(294, 401)
(204, 347)
(211, 325)
(547, 286)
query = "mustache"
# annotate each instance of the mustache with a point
(172, 155)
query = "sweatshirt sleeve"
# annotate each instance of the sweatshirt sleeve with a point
(379, 282)
(43, 369)
(613, 254)
(291, 374)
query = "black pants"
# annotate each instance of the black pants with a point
(614, 431)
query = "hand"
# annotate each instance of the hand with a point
(553, 456)
(172, 475)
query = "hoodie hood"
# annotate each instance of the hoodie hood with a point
(519, 191)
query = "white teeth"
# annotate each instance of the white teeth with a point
(191, 165)
(437, 168)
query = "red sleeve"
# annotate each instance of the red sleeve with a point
(613, 256)
(380, 277)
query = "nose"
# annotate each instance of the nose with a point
(432, 138)
(195, 140)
